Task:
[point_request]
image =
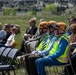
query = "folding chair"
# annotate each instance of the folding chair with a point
(67, 64)
(9, 63)
(4, 55)
(1, 50)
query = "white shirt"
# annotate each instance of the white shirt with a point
(10, 39)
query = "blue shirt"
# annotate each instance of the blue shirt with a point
(62, 46)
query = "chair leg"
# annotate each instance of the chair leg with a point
(8, 73)
(14, 72)
(3, 73)
(73, 70)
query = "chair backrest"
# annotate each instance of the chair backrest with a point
(11, 56)
(4, 55)
(69, 58)
(12, 53)
(1, 50)
(6, 52)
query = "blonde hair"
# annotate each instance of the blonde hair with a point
(73, 30)
(33, 20)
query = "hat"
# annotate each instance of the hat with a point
(62, 25)
(17, 27)
(43, 24)
(51, 24)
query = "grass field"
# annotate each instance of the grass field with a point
(23, 20)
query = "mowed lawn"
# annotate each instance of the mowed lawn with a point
(23, 20)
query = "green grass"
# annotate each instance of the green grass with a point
(23, 20)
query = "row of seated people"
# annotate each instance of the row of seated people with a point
(47, 33)
(11, 35)
(52, 49)
(53, 43)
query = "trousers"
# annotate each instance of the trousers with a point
(30, 64)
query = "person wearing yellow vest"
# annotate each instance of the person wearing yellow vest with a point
(58, 52)
(46, 39)
(30, 59)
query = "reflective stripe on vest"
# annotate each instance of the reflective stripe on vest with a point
(63, 57)
(42, 42)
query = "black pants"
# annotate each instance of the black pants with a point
(30, 64)
(73, 60)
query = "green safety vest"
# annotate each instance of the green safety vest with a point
(48, 43)
(64, 57)
(40, 47)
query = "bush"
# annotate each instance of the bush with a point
(6, 11)
(13, 11)
(52, 8)
(32, 12)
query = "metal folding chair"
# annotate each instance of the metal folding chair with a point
(4, 55)
(9, 63)
(1, 50)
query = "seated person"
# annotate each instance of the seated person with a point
(72, 21)
(7, 33)
(18, 38)
(73, 36)
(11, 37)
(72, 53)
(31, 30)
